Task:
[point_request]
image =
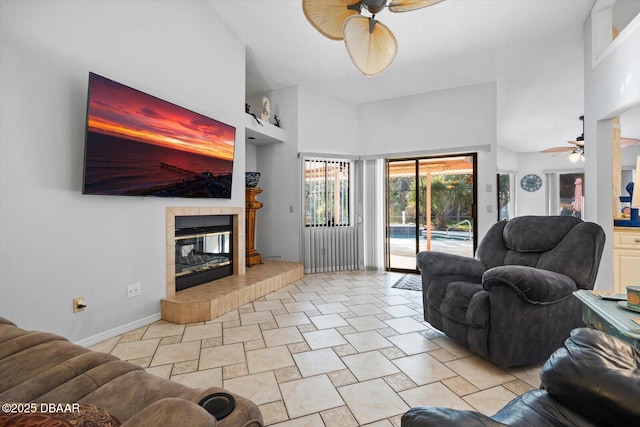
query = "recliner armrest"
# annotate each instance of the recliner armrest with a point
(445, 417)
(443, 264)
(534, 284)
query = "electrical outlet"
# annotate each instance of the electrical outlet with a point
(133, 290)
(79, 304)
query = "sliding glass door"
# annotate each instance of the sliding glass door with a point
(430, 206)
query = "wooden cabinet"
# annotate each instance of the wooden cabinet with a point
(626, 258)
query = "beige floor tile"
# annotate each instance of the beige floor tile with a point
(232, 315)
(260, 388)
(291, 319)
(324, 338)
(136, 349)
(164, 329)
(343, 377)
(202, 332)
(518, 387)
(435, 394)
(273, 412)
(318, 362)
(452, 347)
(256, 318)
(400, 311)
(338, 417)
(366, 366)
(491, 400)
(309, 421)
(105, 346)
(365, 309)
(309, 395)
(305, 296)
(399, 382)
(335, 298)
(530, 375)
(269, 358)
(365, 299)
(366, 323)
(268, 305)
(288, 373)
(233, 371)
(404, 325)
(367, 341)
(224, 355)
(373, 400)
(460, 386)
(297, 307)
(413, 343)
(176, 353)
(241, 334)
(395, 300)
(480, 372)
(332, 308)
(275, 337)
(423, 369)
(185, 367)
(200, 379)
(328, 321)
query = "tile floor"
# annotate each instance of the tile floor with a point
(337, 349)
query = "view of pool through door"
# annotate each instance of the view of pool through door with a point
(430, 206)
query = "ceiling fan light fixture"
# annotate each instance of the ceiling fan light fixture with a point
(328, 16)
(371, 45)
(574, 156)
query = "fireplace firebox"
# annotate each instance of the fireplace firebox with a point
(203, 249)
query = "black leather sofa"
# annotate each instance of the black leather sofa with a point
(593, 380)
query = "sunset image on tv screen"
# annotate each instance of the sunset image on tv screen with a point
(139, 145)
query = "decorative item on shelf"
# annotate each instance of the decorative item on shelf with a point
(252, 179)
(247, 109)
(276, 120)
(266, 109)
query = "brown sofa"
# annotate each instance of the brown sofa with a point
(40, 368)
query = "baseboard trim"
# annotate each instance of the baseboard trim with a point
(103, 336)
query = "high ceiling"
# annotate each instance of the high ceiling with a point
(531, 48)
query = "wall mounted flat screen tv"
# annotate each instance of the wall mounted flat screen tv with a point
(139, 145)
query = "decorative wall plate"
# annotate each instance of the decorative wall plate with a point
(531, 182)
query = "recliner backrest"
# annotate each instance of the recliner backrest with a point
(563, 244)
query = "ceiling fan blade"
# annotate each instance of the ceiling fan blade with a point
(626, 142)
(409, 5)
(328, 16)
(578, 143)
(371, 45)
(557, 150)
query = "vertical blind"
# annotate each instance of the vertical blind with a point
(330, 237)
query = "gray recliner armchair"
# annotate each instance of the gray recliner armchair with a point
(513, 302)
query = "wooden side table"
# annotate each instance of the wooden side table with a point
(609, 317)
(252, 257)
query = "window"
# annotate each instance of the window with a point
(506, 195)
(326, 189)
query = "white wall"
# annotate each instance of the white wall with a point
(612, 86)
(57, 244)
(443, 121)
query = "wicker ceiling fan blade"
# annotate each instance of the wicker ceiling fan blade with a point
(558, 150)
(329, 16)
(409, 5)
(371, 45)
(626, 142)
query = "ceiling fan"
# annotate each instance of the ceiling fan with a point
(371, 44)
(577, 150)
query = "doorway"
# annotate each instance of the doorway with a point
(430, 207)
